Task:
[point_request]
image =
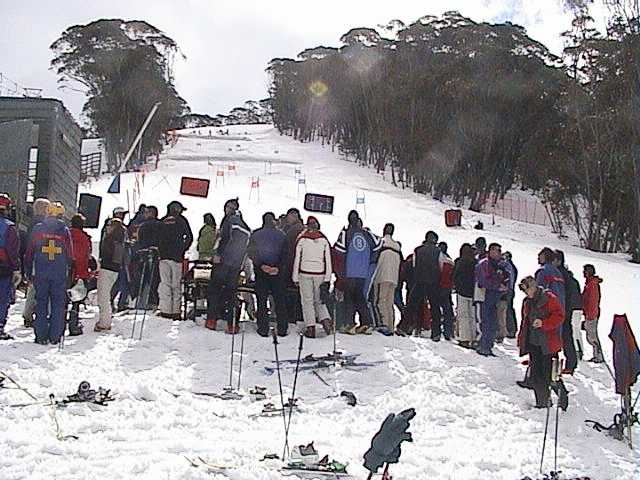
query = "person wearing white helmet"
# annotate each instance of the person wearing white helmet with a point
(9, 255)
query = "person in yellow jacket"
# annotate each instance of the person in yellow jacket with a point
(207, 238)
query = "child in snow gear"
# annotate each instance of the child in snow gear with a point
(228, 261)
(9, 261)
(81, 243)
(111, 259)
(354, 258)
(49, 256)
(539, 337)
(175, 240)
(207, 238)
(463, 278)
(591, 309)
(311, 271)
(266, 250)
(491, 275)
(387, 276)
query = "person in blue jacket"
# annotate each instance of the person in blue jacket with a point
(48, 258)
(9, 264)
(354, 254)
(548, 276)
(266, 251)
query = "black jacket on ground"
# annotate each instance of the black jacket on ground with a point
(175, 238)
(426, 262)
(464, 276)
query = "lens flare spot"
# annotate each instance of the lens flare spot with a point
(318, 88)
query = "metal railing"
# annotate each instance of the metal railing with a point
(90, 165)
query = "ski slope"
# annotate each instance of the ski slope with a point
(472, 421)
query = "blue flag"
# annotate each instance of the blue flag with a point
(115, 185)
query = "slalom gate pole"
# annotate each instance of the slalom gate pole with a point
(284, 415)
(241, 354)
(135, 313)
(292, 400)
(544, 441)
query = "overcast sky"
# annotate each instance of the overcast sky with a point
(228, 43)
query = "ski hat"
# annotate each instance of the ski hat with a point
(5, 201)
(353, 217)
(55, 209)
(232, 201)
(175, 205)
(119, 211)
(311, 219)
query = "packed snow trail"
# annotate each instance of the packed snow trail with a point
(472, 420)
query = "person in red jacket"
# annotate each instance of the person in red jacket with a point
(540, 335)
(81, 242)
(591, 310)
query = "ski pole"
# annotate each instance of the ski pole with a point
(233, 338)
(544, 441)
(20, 387)
(135, 313)
(147, 291)
(555, 440)
(292, 401)
(241, 354)
(284, 414)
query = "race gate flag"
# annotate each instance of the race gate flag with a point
(194, 187)
(115, 185)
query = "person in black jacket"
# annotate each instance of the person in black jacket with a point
(426, 272)
(573, 301)
(266, 248)
(227, 263)
(512, 322)
(146, 249)
(293, 227)
(175, 240)
(464, 282)
(111, 260)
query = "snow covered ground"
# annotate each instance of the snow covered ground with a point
(472, 421)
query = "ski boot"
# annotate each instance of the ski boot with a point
(304, 454)
(258, 394)
(5, 336)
